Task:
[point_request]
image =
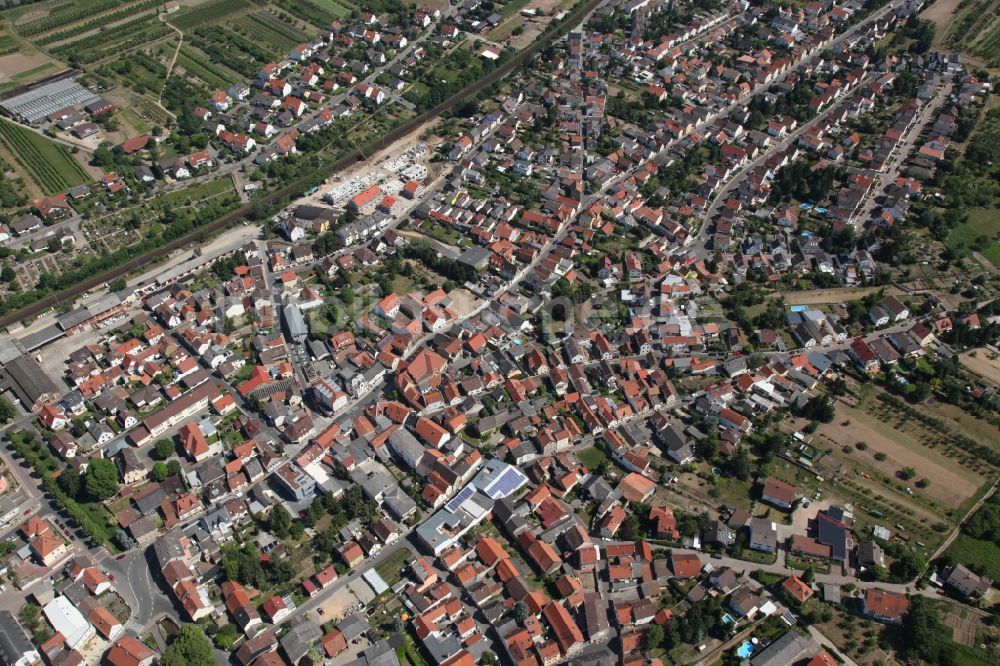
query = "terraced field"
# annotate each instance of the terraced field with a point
(48, 164)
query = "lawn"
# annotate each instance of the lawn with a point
(975, 552)
(47, 163)
(402, 284)
(513, 6)
(757, 556)
(505, 28)
(334, 8)
(979, 233)
(132, 120)
(199, 192)
(591, 457)
(318, 324)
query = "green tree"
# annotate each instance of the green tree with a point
(926, 638)
(281, 571)
(7, 411)
(124, 541)
(163, 449)
(102, 479)
(631, 529)
(173, 467)
(654, 636)
(69, 482)
(521, 611)
(226, 638)
(190, 647)
(740, 466)
(29, 614)
(906, 566)
(160, 471)
(279, 522)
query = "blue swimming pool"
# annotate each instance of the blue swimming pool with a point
(744, 650)
(728, 619)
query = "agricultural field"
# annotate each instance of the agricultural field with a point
(138, 71)
(8, 44)
(97, 22)
(331, 6)
(987, 46)
(113, 41)
(917, 471)
(907, 445)
(193, 62)
(148, 110)
(233, 51)
(21, 63)
(960, 25)
(314, 12)
(19, 69)
(207, 13)
(264, 28)
(984, 363)
(46, 163)
(63, 15)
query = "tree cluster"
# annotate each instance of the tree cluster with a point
(245, 565)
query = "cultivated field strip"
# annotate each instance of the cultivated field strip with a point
(48, 164)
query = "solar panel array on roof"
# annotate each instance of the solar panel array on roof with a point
(509, 481)
(456, 501)
(38, 103)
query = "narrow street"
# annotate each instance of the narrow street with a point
(890, 171)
